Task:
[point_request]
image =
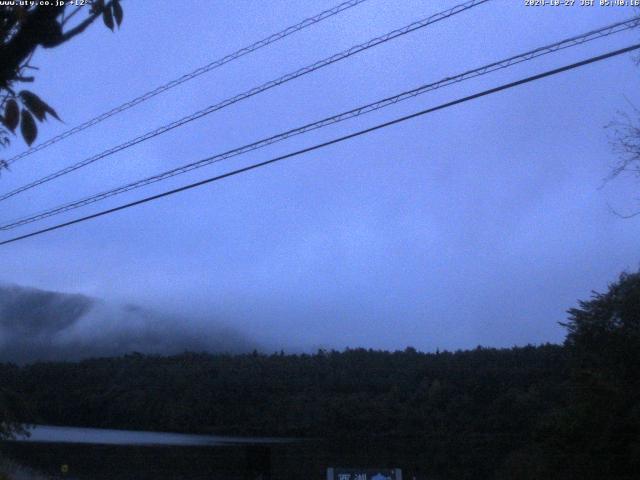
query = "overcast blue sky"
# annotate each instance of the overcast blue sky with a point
(479, 224)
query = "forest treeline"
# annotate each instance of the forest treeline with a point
(352, 393)
(572, 409)
(467, 407)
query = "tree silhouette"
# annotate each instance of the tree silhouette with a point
(22, 30)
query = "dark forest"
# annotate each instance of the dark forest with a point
(572, 409)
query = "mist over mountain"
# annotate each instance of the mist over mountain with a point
(45, 325)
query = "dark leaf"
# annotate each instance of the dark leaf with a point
(28, 127)
(11, 115)
(52, 112)
(36, 105)
(107, 17)
(96, 7)
(33, 103)
(117, 11)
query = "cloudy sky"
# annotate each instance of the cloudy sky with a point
(478, 224)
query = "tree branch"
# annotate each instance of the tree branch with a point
(81, 27)
(40, 28)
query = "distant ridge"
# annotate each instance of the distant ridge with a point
(42, 325)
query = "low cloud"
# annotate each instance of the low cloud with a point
(42, 325)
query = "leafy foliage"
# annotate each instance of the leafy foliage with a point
(597, 433)
(118, 13)
(36, 105)
(110, 11)
(33, 106)
(11, 115)
(28, 127)
(25, 26)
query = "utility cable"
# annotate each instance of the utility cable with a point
(191, 75)
(254, 91)
(529, 55)
(331, 142)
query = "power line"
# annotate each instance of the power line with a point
(332, 142)
(191, 75)
(254, 91)
(529, 55)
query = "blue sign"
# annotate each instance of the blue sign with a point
(364, 474)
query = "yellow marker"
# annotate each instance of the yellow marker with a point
(64, 468)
